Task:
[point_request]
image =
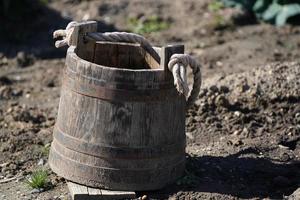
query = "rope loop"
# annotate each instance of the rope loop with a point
(177, 65)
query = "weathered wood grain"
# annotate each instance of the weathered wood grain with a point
(78, 192)
(120, 125)
(81, 192)
(85, 49)
(166, 53)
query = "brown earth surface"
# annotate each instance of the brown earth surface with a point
(243, 133)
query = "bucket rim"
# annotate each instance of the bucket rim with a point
(72, 53)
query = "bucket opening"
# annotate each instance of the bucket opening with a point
(120, 55)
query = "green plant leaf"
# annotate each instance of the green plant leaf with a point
(286, 12)
(260, 6)
(271, 12)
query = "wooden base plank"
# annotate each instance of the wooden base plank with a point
(82, 192)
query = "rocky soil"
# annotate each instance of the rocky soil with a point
(243, 133)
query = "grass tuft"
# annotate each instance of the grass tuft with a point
(38, 179)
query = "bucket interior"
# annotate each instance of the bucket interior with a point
(119, 55)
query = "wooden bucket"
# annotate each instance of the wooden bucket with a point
(121, 121)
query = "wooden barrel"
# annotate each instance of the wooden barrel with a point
(121, 122)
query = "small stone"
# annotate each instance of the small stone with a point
(297, 117)
(144, 197)
(41, 162)
(236, 132)
(273, 96)
(214, 88)
(4, 164)
(245, 131)
(190, 135)
(3, 60)
(203, 92)
(218, 125)
(237, 142)
(269, 120)
(285, 157)
(13, 166)
(221, 101)
(244, 87)
(224, 89)
(36, 191)
(282, 147)
(277, 54)
(219, 64)
(237, 113)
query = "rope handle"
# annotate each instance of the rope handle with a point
(177, 65)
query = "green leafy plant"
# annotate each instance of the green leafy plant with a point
(215, 6)
(277, 12)
(38, 179)
(147, 25)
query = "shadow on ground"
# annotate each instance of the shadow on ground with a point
(239, 176)
(28, 25)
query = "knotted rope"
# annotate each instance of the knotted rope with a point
(66, 34)
(177, 65)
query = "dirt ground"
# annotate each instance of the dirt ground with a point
(243, 133)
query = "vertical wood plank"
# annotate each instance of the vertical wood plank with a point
(166, 53)
(114, 195)
(84, 48)
(94, 191)
(80, 31)
(81, 192)
(78, 192)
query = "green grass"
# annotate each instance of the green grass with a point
(147, 25)
(38, 179)
(45, 150)
(215, 6)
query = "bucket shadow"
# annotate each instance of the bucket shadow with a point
(28, 25)
(238, 176)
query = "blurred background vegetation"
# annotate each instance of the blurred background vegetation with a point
(19, 18)
(23, 21)
(278, 12)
